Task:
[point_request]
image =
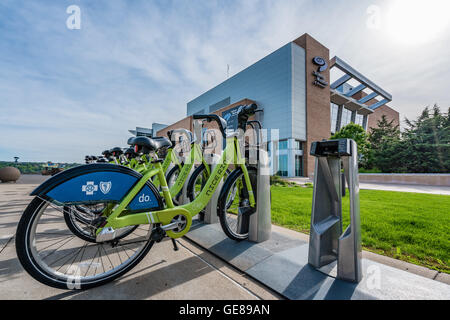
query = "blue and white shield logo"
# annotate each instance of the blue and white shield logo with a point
(105, 187)
(89, 188)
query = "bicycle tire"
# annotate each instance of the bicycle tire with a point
(30, 264)
(223, 204)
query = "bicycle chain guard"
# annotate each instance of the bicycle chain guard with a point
(179, 214)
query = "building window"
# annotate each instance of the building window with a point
(298, 145)
(359, 119)
(219, 105)
(282, 145)
(334, 116)
(365, 118)
(298, 166)
(201, 112)
(283, 165)
(346, 117)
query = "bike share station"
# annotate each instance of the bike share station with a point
(330, 264)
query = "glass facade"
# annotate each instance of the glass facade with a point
(359, 119)
(282, 145)
(285, 155)
(282, 159)
(298, 145)
(283, 165)
(298, 166)
(334, 116)
(346, 117)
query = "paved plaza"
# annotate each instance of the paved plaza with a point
(163, 274)
(189, 273)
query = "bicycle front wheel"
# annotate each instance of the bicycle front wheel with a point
(234, 208)
(53, 255)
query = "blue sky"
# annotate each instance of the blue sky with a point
(67, 93)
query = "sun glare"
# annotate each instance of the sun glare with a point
(417, 21)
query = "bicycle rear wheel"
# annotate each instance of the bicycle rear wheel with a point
(80, 219)
(171, 179)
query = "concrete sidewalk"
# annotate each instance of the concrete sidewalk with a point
(282, 263)
(406, 188)
(444, 190)
(189, 273)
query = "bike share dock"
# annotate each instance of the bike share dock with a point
(330, 264)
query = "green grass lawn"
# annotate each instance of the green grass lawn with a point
(413, 227)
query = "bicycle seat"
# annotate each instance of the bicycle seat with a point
(149, 144)
(106, 153)
(116, 151)
(129, 140)
(130, 153)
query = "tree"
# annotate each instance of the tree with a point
(359, 135)
(427, 142)
(423, 147)
(384, 148)
(384, 131)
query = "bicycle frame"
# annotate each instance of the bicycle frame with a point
(171, 157)
(195, 156)
(119, 218)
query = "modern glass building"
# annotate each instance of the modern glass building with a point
(293, 85)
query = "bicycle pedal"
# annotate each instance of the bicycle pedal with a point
(157, 234)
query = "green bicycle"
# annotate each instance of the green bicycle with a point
(79, 217)
(53, 255)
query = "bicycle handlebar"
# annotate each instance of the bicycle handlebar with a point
(244, 113)
(213, 117)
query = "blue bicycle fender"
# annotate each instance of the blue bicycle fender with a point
(94, 183)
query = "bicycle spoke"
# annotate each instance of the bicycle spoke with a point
(62, 242)
(91, 263)
(71, 238)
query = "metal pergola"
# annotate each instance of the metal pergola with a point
(345, 99)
